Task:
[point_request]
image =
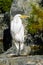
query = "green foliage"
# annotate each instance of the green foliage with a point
(35, 22)
(5, 5)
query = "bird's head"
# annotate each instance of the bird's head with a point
(22, 16)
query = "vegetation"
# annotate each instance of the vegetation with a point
(35, 28)
(5, 5)
(35, 22)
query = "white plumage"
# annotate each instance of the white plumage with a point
(17, 31)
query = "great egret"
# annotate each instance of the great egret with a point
(17, 31)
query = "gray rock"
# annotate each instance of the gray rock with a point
(27, 60)
(20, 7)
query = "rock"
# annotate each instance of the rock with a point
(29, 39)
(27, 60)
(30, 63)
(25, 51)
(21, 7)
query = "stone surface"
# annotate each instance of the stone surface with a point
(25, 60)
(21, 7)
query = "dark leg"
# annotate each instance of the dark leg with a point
(19, 49)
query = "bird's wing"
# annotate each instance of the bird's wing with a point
(15, 27)
(20, 36)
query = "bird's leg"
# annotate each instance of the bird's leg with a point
(19, 49)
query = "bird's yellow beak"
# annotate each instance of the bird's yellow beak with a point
(24, 16)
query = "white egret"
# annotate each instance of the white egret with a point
(17, 31)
